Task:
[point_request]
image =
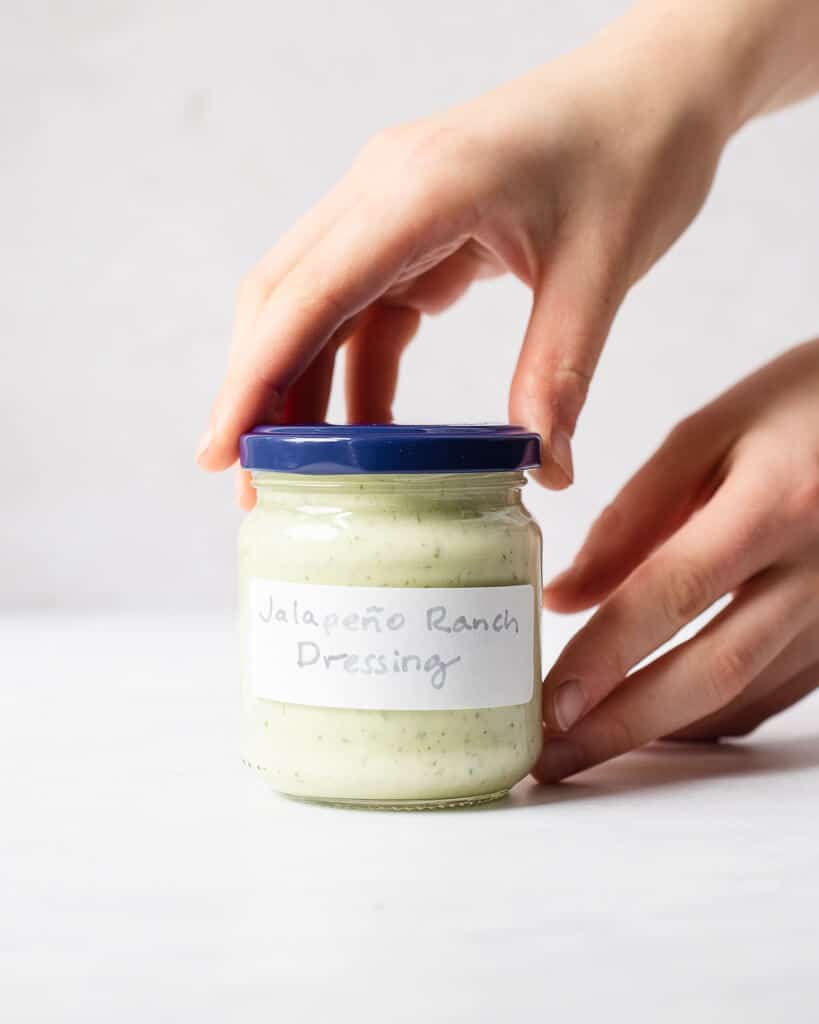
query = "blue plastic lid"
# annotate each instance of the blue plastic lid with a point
(326, 449)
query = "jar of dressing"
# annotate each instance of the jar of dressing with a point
(390, 601)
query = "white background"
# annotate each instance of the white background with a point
(152, 151)
(149, 153)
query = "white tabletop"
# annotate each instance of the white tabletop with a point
(147, 876)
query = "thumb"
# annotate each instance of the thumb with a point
(573, 308)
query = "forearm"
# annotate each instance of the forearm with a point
(741, 58)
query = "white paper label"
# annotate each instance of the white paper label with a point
(413, 648)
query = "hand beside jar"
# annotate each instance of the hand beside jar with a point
(728, 506)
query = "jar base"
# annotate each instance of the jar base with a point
(442, 804)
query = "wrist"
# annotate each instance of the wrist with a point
(727, 61)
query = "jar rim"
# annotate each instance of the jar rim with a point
(328, 449)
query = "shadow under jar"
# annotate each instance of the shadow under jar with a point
(390, 582)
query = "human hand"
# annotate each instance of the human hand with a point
(575, 179)
(729, 505)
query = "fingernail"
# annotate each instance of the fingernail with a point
(204, 444)
(569, 703)
(558, 759)
(560, 448)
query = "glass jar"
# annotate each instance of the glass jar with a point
(390, 584)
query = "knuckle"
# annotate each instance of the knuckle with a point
(560, 385)
(620, 736)
(596, 652)
(728, 671)
(572, 383)
(423, 162)
(426, 183)
(432, 167)
(415, 146)
(430, 144)
(383, 143)
(609, 523)
(803, 501)
(686, 592)
(317, 299)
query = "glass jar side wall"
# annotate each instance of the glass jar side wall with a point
(431, 531)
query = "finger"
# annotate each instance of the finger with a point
(256, 289)
(751, 717)
(677, 480)
(306, 402)
(573, 308)
(728, 541)
(271, 414)
(308, 398)
(352, 265)
(444, 283)
(764, 694)
(373, 356)
(693, 680)
(293, 246)
(245, 491)
(306, 233)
